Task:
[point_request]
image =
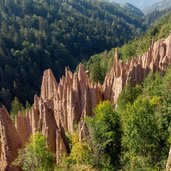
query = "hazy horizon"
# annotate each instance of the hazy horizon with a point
(138, 3)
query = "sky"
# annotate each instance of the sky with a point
(138, 3)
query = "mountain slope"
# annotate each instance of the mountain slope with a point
(152, 17)
(133, 10)
(40, 34)
(99, 64)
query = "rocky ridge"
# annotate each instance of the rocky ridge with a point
(63, 105)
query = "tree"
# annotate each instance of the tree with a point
(80, 152)
(16, 106)
(97, 72)
(105, 131)
(81, 156)
(142, 133)
(36, 156)
(128, 95)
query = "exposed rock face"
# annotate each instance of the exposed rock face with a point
(75, 98)
(83, 131)
(64, 104)
(21, 124)
(9, 141)
(135, 70)
(168, 164)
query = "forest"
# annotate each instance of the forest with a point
(40, 34)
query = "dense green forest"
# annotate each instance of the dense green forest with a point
(100, 63)
(40, 34)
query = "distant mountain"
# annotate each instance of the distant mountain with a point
(133, 10)
(141, 4)
(40, 34)
(159, 6)
(129, 8)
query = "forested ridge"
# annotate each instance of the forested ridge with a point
(40, 34)
(99, 64)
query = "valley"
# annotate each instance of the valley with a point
(84, 85)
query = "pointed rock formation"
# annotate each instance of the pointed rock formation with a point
(135, 70)
(22, 128)
(9, 141)
(49, 85)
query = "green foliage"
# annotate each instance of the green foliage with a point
(80, 153)
(16, 106)
(80, 158)
(134, 136)
(36, 156)
(152, 84)
(74, 167)
(99, 65)
(153, 16)
(145, 115)
(128, 96)
(98, 72)
(105, 131)
(141, 131)
(100, 150)
(40, 34)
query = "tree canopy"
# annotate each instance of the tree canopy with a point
(36, 156)
(40, 34)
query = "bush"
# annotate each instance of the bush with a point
(80, 158)
(105, 132)
(36, 156)
(142, 133)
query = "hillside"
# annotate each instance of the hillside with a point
(100, 63)
(155, 15)
(40, 34)
(133, 10)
